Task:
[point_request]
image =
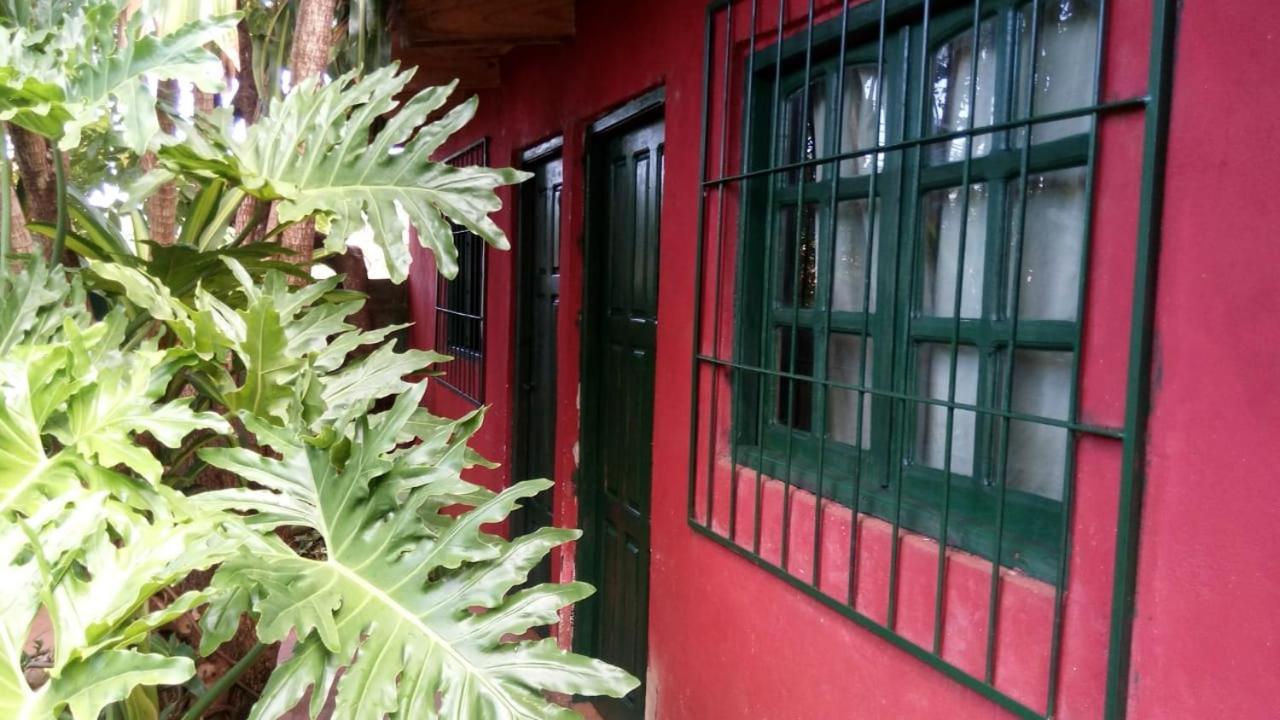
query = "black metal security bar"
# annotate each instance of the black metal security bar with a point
(460, 303)
(896, 227)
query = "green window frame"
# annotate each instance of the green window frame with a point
(789, 321)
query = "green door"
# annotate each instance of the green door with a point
(620, 310)
(539, 303)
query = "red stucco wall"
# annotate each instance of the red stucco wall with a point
(1207, 631)
(728, 640)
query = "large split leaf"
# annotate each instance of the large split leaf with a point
(316, 154)
(57, 79)
(413, 600)
(99, 564)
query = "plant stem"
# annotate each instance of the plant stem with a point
(60, 230)
(279, 229)
(185, 453)
(6, 198)
(223, 683)
(138, 331)
(259, 217)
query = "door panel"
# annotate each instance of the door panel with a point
(539, 304)
(622, 293)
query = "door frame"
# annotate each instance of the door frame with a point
(545, 151)
(541, 152)
(645, 108)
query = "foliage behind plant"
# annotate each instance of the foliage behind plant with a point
(214, 355)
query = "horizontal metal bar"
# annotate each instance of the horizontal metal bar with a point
(443, 381)
(1098, 430)
(936, 661)
(459, 314)
(1134, 103)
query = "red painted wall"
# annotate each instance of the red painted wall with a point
(727, 639)
(1207, 631)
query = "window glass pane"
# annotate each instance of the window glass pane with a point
(1066, 50)
(852, 271)
(804, 134)
(933, 367)
(1037, 453)
(953, 77)
(795, 397)
(863, 127)
(1054, 230)
(797, 260)
(844, 365)
(942, 265)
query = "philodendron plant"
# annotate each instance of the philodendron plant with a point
(130, 375)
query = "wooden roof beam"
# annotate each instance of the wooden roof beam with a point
(475, 68)
(460, 22)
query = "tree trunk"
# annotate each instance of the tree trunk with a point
(20, 241)
(312, 37)
(245, 103)
(35, 170)
(205, 102)
(356, 278)
(162, 206)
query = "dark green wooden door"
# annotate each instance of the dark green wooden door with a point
(619, 346)
(539, 304)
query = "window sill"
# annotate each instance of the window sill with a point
(1032, 524)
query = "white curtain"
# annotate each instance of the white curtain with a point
(952, 72)
(1054, 230)
(851, 272)
(863, 126)
(943, 218)
(1065, 54)
(934, 368)
(1037, 452)
(844, 361)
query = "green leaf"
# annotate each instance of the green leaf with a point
(101, 419)
(35, 303)
(394, 600)
(61, 80)
(313, 152)
(107, 677)
(270, 369)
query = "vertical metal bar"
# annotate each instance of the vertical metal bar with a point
(719, 271)
(1068, 475)
(748, 113)
(825, 329)
(1137, 404)
(868, 273)
(896, 467)
(1002, 466)
(697, 300)
(966, 179)
(765, 320)
(480, 324)
(794, 385)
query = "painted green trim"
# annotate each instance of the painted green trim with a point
(1138, 401)
(897, 328)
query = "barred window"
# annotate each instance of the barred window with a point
(903, 271)
(901, 253)
(460, 302)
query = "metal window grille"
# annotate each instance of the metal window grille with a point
(460, 302)
(896, 242)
